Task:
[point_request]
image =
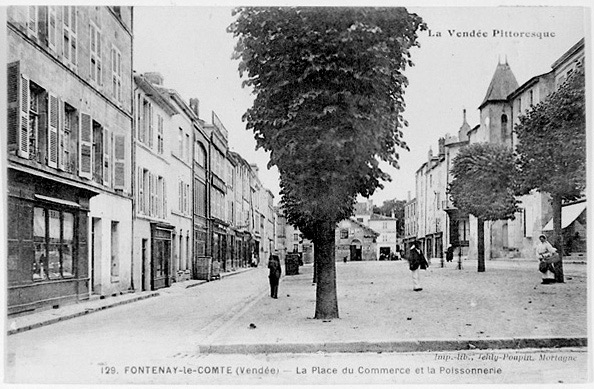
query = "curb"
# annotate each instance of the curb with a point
(394, 346)
(78, 314)
(223, 275)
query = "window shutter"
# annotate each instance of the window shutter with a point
(52, 28)
(33, 19)
(106, 162)
(164, 199)
(23, 141)
(53, 120)
(119, 173)
(61, 134)
(13, 107)
(85, 146)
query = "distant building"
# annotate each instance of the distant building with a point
(355, 241)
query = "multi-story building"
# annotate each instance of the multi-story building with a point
(201, 189)
(500, 110)
(69, 161)
(153, 231)
(180, 144)
(388, 243)
(410, 223)
(218, 191)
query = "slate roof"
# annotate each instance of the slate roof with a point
(502, 84)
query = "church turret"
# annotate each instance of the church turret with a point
(494, 110)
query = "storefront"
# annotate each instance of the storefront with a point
(47, 242)
(161, 236)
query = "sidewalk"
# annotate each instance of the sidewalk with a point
(504, 307)
(50, 316)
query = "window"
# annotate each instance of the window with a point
(95, 56)
(188, 154)
(199, 155)
(52, 26)
(159, 134)
(53, 236)
(360, 219)
(384, 225)
(200, 198)
(32, 22)
(68, 133)
(116, 73)
(464, 230)
(531, 97)
(180, 140)
(295, 248)
(295, 237)
(115, 260)
(344, 233)
(504, 124)
(69, 34)
(97, 152)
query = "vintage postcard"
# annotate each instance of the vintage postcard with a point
(193, 198)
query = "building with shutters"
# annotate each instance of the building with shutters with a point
(69, 73)
(180, 143)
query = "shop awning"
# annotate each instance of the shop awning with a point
(568, 214)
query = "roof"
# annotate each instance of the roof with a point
(502, 84)
(575, 48)
(527, 85)
(172, 93)
(155, 94)
(364, 227)
(377, 216)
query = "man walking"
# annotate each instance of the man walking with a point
(274, 275)
(417, 261)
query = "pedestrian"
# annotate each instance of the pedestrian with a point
(450, 253)
(547, 255)
(416, 261)
(275, 274)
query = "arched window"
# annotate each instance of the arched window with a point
(200, 155)
(504, 127)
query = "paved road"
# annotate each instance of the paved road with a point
(152, 341)
(164, 328)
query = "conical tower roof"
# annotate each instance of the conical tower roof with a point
(502, 84)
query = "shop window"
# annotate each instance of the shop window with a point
(53, 235)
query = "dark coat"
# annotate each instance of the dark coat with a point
(275, 267)
(417, 259)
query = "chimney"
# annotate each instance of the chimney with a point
(441, 143)
(154, 78)
(195, 106)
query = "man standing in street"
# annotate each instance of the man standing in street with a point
(274, 275)
(417, 261)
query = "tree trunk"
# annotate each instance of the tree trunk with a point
(481, 244)
(326, 301)
(558, 237)
(315, 268)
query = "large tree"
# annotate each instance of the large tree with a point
(552, 151)
(483, 186)
(329, 97)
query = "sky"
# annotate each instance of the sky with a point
(451, 73)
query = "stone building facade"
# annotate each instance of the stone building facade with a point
(69, 160)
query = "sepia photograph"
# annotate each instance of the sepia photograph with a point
(296, 194)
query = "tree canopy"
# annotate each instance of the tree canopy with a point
(551, 153)
(483, 185)
(329, 89)
(329, 97)
(552, 143)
